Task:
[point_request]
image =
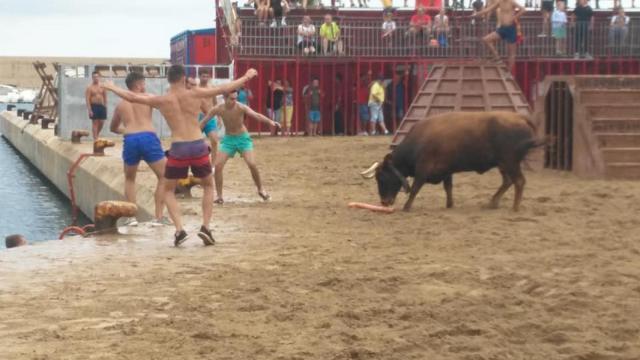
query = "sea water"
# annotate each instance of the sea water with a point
(29, 204)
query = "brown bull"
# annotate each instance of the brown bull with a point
(442, 145)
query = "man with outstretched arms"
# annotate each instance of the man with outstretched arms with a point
(180, 107)
(236, 139)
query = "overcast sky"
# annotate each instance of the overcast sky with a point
(111, 28)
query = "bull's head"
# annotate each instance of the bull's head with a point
(390, 180)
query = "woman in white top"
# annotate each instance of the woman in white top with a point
(306, 36)
(618, 28)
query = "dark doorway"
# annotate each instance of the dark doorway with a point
(559, 126)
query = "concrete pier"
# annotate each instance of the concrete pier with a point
(97, 178)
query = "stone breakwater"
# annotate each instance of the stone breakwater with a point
(96, 179)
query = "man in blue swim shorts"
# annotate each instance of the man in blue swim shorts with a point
(508, 12)
(140, 143)
(236, 140)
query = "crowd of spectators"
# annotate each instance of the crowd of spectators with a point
(327, 38)
(373, 98)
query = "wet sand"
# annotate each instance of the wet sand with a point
(304, 277)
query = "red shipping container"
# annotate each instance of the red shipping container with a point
(194, 47)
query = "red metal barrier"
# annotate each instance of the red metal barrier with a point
(299, 72)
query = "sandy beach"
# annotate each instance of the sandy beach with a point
(305, 277)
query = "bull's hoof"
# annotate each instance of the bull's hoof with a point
(107, 213)
(184, 186)
(100, 144)
(76, 135)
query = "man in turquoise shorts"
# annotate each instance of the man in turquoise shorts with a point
(211, 128)
(236, 140)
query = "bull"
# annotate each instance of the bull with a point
(437, 147)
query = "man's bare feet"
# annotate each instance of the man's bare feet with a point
(264, 195)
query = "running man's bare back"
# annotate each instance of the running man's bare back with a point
(134, 117)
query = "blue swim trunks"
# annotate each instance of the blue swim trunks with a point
(314, 116)
(508, 33)
(231, 144)
(142, 146)
(212, 125)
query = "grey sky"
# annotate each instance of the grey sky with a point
(113, 28)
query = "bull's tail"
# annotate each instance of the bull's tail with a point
(523, 149)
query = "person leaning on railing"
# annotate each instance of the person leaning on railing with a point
(420, 23)
(441, 27)
(306, 36)
(618, 29)
(330, 34)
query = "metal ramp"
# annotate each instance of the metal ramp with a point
(47, 101)
(463, 87)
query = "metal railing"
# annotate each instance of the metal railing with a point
(217, 72)
(363, 38)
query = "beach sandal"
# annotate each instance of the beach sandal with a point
(218, 201)
(264, 195)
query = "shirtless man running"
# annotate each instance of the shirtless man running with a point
(507, 12)
(236, 139)
(96, 101)
(180, 107)
(140, 143)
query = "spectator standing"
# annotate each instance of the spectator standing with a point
(559, 28)
(269, 103)
(376, 100)
(420, 23)
(362, 90)
(330, 34)
(306, 36)
(278, 103)
(388, 28)
(583, 22)
(395, 95)
(547, 10)
(619, 29)
(313, 96)
(288, 109)
(244, 95)
(441, 27)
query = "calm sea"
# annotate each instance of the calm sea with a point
(29, 204)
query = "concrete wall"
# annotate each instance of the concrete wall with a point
(18, 71)
(73, 113)
(97, 178)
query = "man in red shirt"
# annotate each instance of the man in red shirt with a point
(420, 23)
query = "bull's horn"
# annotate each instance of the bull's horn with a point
(370, 172)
